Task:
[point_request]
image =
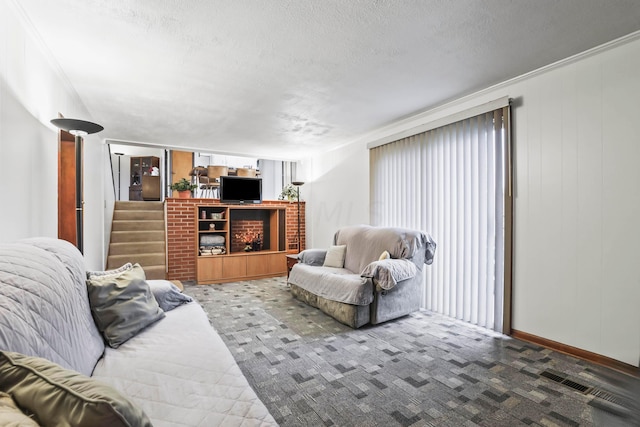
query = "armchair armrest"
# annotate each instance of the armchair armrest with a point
(387, 273)
(312, 256)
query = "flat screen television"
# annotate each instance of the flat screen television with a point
(237, 189)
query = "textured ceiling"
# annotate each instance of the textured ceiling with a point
(287, 79)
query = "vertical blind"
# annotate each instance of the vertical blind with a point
(452, 182)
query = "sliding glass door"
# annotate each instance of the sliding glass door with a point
(454, 183)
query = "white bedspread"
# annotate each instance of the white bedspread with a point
(182, 374)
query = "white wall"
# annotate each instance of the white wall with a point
(577, 276)
(271, 173)
(577, 198)
(203, 159)
(125, 169)
(32, 92)
(336, 192)
(108, 203)
(29, 197)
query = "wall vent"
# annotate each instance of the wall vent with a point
(616, 405)
(605, 395)
(552, 376)
(566, 382)
(577, 386)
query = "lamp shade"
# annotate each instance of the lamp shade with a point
(75, 126)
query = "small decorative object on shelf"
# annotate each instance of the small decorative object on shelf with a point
(248, 238)
(212, 226)
(212, 244)
(256, 245)
(212, 250)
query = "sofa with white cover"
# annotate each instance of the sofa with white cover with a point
(77, 354)
(370, 275)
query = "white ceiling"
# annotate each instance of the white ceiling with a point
(289, 78)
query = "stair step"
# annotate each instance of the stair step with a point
(131, 215)
(138, 225)
(137, 236)
(125, 248)
(115, 261)
(155, 272)
(141, 206)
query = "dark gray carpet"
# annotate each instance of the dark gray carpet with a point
(421, 370)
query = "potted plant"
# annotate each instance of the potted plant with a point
(289, 192)
(184, 188)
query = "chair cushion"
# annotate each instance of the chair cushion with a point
(335, 284)
(335, 256)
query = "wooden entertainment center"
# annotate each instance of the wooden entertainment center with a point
(223, 225)
(183, 237)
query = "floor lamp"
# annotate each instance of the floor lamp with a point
(119, 189)
(298, 184)
(78, 128)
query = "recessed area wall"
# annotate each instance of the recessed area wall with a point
(241, 227)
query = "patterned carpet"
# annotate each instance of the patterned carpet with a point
(421, 370)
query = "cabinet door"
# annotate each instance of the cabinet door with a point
(267, 264)
(135, 193)
(209, 269)
(135, 171)
(234, 266)
(145, 165)
(150, 187)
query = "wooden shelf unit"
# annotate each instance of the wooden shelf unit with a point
(236, 264)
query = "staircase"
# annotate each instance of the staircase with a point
(137, 235)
